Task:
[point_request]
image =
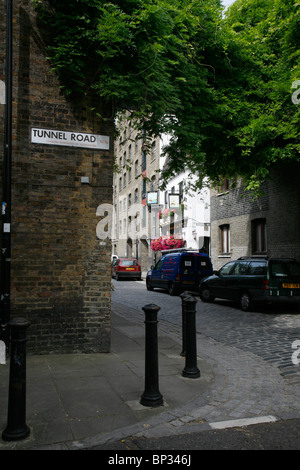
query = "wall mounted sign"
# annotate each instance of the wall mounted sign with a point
(69, 139)
(152, 197)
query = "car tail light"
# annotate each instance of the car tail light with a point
(178, 277)
(265, 284)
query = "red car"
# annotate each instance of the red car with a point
(126, 268)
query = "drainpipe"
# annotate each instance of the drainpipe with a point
(6, 199)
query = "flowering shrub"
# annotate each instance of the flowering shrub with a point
(166, 243)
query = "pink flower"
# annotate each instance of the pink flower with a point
(166, 243)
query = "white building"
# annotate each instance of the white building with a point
(192, 218)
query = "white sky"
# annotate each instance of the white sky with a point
(227, 3)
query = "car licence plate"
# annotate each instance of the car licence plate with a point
(129, 269)
(291, 286)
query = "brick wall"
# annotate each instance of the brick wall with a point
(60, 274)
(279, 206)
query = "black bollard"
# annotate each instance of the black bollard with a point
(191, 370)
(183, 296)
(16, 422)
(151, 396)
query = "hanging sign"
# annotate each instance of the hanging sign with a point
(152, 197)
(70, 139)
(174, 200)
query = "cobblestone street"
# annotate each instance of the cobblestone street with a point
(251, 351)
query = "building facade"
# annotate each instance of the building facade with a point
(133, 223)
(268, 226)
(137, 221)
(60, 270)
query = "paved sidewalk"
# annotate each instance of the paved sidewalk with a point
(74, 400)
(81, 401)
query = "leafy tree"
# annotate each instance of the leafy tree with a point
(220, 87)
(266, 118)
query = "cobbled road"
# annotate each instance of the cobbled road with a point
(272, 333)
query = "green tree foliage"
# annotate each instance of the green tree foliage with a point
(220, 87)
(266, 115)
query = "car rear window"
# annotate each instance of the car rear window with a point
(285, 269)
(194, 262)
(129, 262)
(203, 262)
(187, 262)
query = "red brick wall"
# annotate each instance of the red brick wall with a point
(60, 274)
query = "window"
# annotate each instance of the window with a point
(181, 188)
(187, 262)
(136, 168)
(225, 238)
(153, 183)
(129, 199)
(136, 196)
(153, 150)
(226, 270)
(128, 262)
(258, 268)
(166, 198)
(259, 236)
(240, 268)
(158, 265)
(224, 184)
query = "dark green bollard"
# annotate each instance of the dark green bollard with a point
(151, 396)
(16, 421)
(191, 370)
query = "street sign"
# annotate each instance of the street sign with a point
(70, 139)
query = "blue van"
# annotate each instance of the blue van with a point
(178, 270)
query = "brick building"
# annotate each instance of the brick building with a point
(138, 173)
(60, 271)
(241, 226)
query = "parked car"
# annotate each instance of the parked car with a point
(253, 280)
(126, 268)
(179, 270)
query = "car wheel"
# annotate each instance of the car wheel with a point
(172, 289)
(148, 285)
(246, 302)
(117, 277)
(205, 294)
